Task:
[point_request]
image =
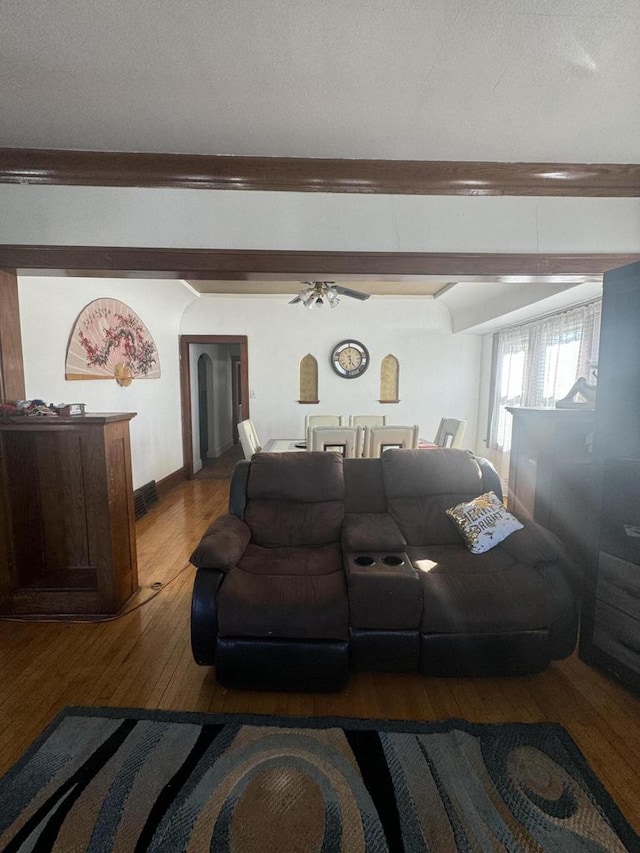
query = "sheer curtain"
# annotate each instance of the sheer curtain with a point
(536, 364)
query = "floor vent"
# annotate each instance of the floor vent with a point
(139, 505)
(149, 493)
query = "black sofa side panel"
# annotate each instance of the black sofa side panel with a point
(204, 615)
(238, 488)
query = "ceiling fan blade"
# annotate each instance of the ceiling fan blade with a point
(355, 294)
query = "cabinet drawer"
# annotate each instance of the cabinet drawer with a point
(618, 635)
(619, 584)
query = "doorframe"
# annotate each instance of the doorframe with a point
(185, 386)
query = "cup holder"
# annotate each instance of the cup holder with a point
(393, 560)
(364, 560)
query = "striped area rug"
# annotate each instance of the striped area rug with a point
(130, 780)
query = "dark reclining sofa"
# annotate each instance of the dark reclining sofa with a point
(325, 565)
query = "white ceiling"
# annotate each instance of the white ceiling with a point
(504, 80)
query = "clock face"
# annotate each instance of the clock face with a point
(350, 359)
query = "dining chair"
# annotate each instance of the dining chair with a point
(367, 420)
(379, 439)
(345, 440)
(248, 438)
(450, 432)
(323, 420)
(311, 421)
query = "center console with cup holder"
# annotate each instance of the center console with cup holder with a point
(385, 604)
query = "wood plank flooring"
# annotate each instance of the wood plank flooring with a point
(143, 659)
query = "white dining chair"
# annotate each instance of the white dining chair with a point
(248, 438)
(311, 421)
(379, 439)
(323, 420)
(367, 420)
(450, 433)
(348, 441)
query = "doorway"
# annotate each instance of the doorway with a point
(214, 381)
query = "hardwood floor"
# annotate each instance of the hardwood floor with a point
(143, 659)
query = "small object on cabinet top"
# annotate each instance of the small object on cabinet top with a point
(67, 410)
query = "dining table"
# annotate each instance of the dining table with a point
(284, 445)
(290, 445)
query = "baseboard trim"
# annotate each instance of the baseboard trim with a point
(171, 481)
(222, 449)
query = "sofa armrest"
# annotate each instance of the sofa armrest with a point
(534, 544)
(223, 543)
(371, 531)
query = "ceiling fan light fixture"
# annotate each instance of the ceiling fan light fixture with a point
(319, 293)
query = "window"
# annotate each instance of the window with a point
(537, 363)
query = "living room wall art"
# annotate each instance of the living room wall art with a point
(308, 379)
(110, 341)
(389, 375)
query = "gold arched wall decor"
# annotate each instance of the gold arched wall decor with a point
(389, 387)
(308, 379)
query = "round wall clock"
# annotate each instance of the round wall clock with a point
(350, 359)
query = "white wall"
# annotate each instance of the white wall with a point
(439, 372)
(49, 308)
(122, 216)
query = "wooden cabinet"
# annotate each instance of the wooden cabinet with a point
(551, 472)
(67, 535)
(610, 630)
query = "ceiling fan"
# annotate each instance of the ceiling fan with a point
(319, 292)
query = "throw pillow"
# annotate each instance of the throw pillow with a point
(483, 522)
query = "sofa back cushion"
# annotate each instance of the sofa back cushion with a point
(421, 484)
(295, 499)
(364, 488)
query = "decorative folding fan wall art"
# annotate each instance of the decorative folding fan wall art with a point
(110, 341)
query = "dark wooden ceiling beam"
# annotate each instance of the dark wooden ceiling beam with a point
(230, 264)
(300, 174)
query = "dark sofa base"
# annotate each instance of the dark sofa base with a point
(521, 653)
(384, 651)
(290, 665)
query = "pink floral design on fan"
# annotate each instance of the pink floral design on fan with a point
(130, 337)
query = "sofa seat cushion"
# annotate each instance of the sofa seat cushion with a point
(479, 593)
(284, 604)
(307, 562)
(445, 559)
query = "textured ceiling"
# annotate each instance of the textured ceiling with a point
(506, 80)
